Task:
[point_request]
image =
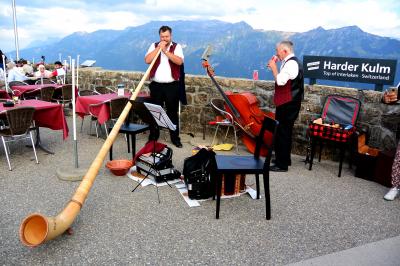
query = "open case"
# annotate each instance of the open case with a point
(338, 119)
(337, 123)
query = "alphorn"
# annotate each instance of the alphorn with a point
(36, 228)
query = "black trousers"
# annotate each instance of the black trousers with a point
(286, 114)
(166, 94)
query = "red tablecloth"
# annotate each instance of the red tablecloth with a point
(47, 114)
(21, 89)
(4, 95)
(102, 111)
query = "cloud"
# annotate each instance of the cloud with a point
(43, 19)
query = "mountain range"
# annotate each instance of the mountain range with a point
(238, 49)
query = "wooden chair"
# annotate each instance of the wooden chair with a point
(18, 124)
(14, 83)
(103, 90)
(65, 96)
(45, 81)
(231, 165)
(44, 94)
(116, 107)
(86, 93)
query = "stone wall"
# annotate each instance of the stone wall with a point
(379, 120)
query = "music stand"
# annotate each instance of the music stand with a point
(155, 116)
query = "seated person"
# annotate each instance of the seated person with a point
(1, 59)
(395, 190)
(59, 72)
(27, 68)
(13, 73)
(1, 75)
(42, 72)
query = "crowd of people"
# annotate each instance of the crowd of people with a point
(24, 71)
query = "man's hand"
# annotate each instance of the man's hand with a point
(163, 46)
(272, 65)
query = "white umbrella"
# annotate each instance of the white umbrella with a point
(15, 30)
(73, 113)
(76, 173)
(77, 72)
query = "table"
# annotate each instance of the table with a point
(4, 95)
(47, 114)
(102, 111)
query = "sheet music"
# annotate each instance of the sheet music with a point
(160, 116)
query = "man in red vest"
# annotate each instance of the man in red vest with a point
(289, 91)
(164, 86)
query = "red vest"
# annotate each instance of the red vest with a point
(293, 90)
(175, 69)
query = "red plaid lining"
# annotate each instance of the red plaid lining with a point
(330, 133)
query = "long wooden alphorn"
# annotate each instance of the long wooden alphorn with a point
(36, 228)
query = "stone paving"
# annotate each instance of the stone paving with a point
(314, 213)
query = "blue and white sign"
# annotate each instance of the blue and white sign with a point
(376, 71)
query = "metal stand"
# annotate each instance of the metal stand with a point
(155, 120)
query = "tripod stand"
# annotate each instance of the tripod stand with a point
(155, 117)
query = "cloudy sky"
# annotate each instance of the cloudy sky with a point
(41, 20)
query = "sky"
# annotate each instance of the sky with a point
(39, 20)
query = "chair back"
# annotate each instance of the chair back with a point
(45, 81)
(19, 120)
(218, 106)
(116, 107)
(14, 83)
(31, 94)
(87, 93)
(269, 125)
(46, 93)
(66, 92)
(103, 90)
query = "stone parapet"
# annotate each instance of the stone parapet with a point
(380, 120)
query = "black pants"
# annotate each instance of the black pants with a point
(166, 94)
(286, 115)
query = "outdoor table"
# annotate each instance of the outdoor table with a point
(47, 114)
(101, 111)
(4, 95)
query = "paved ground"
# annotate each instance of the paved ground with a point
(314, 213)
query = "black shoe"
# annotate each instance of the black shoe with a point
(275, 168)
(177, 143)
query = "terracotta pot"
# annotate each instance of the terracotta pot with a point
(119, 167)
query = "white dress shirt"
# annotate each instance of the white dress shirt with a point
(163, 73)
(289, 70)
(15, 75)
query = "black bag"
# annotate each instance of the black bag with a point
(158, 165)
(197, 171)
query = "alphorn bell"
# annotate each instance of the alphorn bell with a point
(36, 228)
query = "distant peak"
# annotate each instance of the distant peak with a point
(318, 29)
(80, 33)
(242, 25)
(353, 28)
